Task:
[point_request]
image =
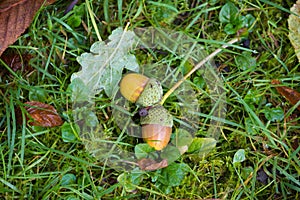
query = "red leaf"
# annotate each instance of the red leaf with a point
(291, 95)
(43, 114)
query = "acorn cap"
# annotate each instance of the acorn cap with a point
(151, 94)
(158, 115)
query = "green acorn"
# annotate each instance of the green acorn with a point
(157, 127)
(140, 89)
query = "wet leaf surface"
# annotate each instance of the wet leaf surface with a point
(43, 114)
(291, 95)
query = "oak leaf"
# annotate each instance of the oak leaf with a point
(102, 67)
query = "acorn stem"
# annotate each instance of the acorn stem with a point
(200, 64)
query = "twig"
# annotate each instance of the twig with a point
(200, 64)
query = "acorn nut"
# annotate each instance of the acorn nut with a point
(140, 89)
(157, 127)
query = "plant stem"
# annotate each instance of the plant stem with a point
(200, 64)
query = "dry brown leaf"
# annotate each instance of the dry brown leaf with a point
(43, 114)
(291, 95)
(149, 164)
(15, 17)
(17, 62)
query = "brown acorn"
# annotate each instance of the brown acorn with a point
(157, 127)
(140, 89)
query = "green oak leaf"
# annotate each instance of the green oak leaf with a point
(102, 67)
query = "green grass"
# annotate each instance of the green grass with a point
(36, 163)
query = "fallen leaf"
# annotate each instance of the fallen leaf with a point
(149, 164)
(43, 114)
(291, 95)
(15, 17)
(17, 62)
(102, 67)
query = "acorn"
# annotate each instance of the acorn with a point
(140, 89)
(157, 127)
